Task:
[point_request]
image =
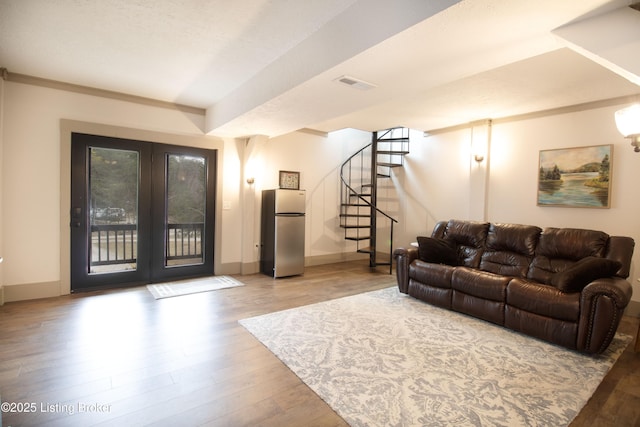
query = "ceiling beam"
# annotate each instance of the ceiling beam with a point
(363, 25)
(615, 48)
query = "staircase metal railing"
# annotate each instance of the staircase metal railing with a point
(358, 193)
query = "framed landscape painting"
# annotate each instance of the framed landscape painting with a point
(576, 177)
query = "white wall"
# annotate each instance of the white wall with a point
(318, 159)
(440, 177)
(513, 166)
(35, 186)
(439, 180)
(514, 169)
(34, 237)
(434, 183)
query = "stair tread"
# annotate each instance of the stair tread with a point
(354, 226)
(364, 251)
(355, 215)
(389, 165)
(397, 139)
(357, 238)
(398, 152)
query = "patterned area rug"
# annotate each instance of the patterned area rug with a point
(385, 359)
(192, 286)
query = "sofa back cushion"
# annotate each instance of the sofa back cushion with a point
(560, 248)
(469, 238)
(510, 249)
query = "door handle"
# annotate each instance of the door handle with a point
(76, 216)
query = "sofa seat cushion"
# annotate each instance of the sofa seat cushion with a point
(583, 272)
(438, 275)
(543, 300)
(480, 284)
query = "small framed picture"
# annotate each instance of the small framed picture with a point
(290, 180)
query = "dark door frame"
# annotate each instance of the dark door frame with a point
(159, 272)
(152, 211)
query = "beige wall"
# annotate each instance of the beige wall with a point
(35, 173)
(514, 167)
(439, 180)
(318, 159)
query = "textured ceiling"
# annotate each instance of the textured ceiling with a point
(268, 66)
(189, 52)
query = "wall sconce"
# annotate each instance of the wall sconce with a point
(480, 139)
(628, 123)
(251, 180)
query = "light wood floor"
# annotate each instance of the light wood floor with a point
(122, 358)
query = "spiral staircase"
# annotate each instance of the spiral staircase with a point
(361, 175)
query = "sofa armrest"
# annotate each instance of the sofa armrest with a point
(618, 289)
(404, 257)
(602, 304)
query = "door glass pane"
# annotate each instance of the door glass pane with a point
(113, 201)
(186, 205)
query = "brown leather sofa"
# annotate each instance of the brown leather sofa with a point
(563, 285)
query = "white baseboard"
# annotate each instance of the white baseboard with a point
(29, 291)
(230, 268)
(334, 258)
(254, 267)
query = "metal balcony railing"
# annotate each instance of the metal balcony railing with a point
(113, 244)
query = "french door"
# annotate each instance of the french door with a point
(141, 212)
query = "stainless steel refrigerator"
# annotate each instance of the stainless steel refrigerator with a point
(282, 232)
